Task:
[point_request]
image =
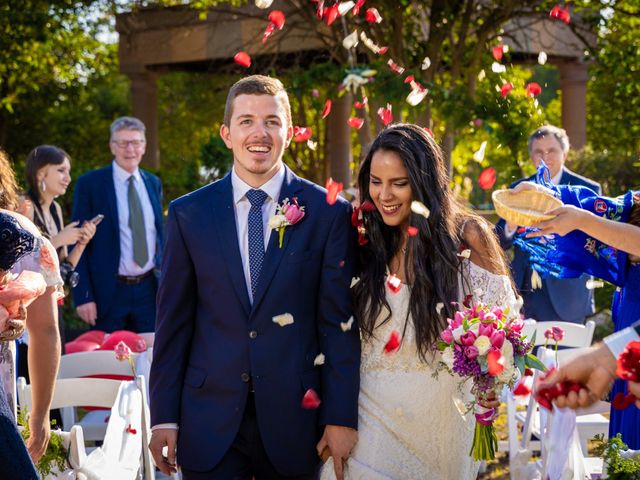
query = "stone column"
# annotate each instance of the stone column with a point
(144, 96)
(573, 81)
(338, 148)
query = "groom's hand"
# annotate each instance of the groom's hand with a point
(340, 441)
(160, 438)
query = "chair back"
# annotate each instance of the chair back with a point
(97, 362)
(575, 334)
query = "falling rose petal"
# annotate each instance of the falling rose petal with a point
(342, 263)
(394, 283)
(409, 79)
(487, 178)
(311, 400)
(319, 360)
(478, 155)
(243, 59)
(416, 96)
(426, 63)
(350, 40)
(372, 15)
(277, 17)
(344, 7)
(355, 122)
(268, 32)
(542, 58)
(361, 104)
(395, 68)
(506, 88)
(495, 362)
(593, 284)
(283, 319)
(466, 253)
(370, 44)
(561, 14)
(439, 307)
(383, 50)
(263, 3)
(393, 343)
(536, 281)
(522, 389)
(346, 326)
(498, 68)
(481, 75)
(320, 10)
(301, 134)
(385, 114)
(333, 189)
(412, 231)
(367, 206)
(327, 108)
(419, 208)
(497, 52)
(354, 281)
(533, 89)
(428, 130)
(359, 4)
(330, 14)
(312, 145)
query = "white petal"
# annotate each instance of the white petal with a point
(498, 68)
(344, 7)
(354, 280)
(350, 40)
(466, 253)
(420, 209)
(482, 75)
(263, 3)
(478, 156)
(536, 281)
(542, 58)
(283, 320)
(312, 145)
(416, 96)
(426, 63)
(346, 326)
(319, 360)
(439, 307)
(591, 284)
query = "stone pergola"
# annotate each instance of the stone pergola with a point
(160, 40)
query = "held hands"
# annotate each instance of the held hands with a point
(160, 438)
(340, 441)
(88, 312)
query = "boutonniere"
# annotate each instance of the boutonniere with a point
(286, 214)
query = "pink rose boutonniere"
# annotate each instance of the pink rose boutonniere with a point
(287, 214)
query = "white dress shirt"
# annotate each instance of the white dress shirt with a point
(242, 206)
(127, 265)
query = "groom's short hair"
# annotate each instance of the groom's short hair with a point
(258, 85)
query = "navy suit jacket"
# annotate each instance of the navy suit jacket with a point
(209, 337)
(569, 297)
(98, 267)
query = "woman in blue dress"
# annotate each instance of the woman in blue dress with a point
(600, 236)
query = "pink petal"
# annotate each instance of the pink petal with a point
(372, 16)
(301, 134)
(311, 400)
(355, 122)
(243, 59)
(533, 89)
(497, 52)
(385, 114)
(506, 88)
(487, 178)
(333, 189)
(395, 68)
(412, 231)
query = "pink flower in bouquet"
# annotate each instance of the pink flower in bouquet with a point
(486, 329)
(497, 338)
(122, 351)
(468, 338)
(447, 335)
(471, 352)
(516, 325)
(558, 333)
(294, 213)
(489, 317)
(457, 320)
(26, 288)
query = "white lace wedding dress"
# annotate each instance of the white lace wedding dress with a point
(411, 425)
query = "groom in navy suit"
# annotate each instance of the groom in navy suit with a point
(567, 299)
(254, 327)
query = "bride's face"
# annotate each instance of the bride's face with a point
(389, 188)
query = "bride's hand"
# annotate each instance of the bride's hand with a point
(489, 401)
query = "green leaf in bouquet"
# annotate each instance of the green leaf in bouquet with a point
(482, 361)
(533, 338)
(465, 324)
(532, 361)
(520, 363)
(441, 345)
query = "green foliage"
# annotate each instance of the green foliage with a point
(618, 468)
(55, 457)
(617, 171)
(217, 159)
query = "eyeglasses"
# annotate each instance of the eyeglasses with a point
(552, 152)
(125, 143)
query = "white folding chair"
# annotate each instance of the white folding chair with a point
(148, 338)
(84, 364)
(95, 392)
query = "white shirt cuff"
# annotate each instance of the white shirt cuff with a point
(619, 340)
(172, 426)
(508, 232)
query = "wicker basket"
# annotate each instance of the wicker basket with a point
(524, 208)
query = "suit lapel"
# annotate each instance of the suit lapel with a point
(274, 254)
(153, 197)
(110, 189)
(224, 215)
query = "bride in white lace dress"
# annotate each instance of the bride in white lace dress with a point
(412, 425)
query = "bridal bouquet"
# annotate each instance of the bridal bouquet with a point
(486, 345)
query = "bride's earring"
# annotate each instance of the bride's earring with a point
(43, 185)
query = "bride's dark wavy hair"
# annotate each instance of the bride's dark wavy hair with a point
(435, 268)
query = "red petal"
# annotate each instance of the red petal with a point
(506, 88)
(385, 115)
(311, 400)
(327, 108)
(333, 189)
(359, 4)
(393, 343)
(268, 32)
(619, 402)
(330, 14)
(355, 122)
(367, 206)
(521, 389)
(361, 104)
(487, 178)
(372, 16)
(395, 68)
(409, 79)
(383, 50)
(243, 59)
(528, 372)
(277, 18)
(301, 134)
(533, 89)
(497, 52)
(544, 402)
(412, 231)
(428, 130)
(495, 361)
(394, 283)
(320, 10)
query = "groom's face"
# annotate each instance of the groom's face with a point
(257, 134)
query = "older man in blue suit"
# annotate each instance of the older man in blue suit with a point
(567, 300)
(254, 324)
(117, 285)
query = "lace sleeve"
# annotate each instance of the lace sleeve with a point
(43, 260)
(490, 288)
